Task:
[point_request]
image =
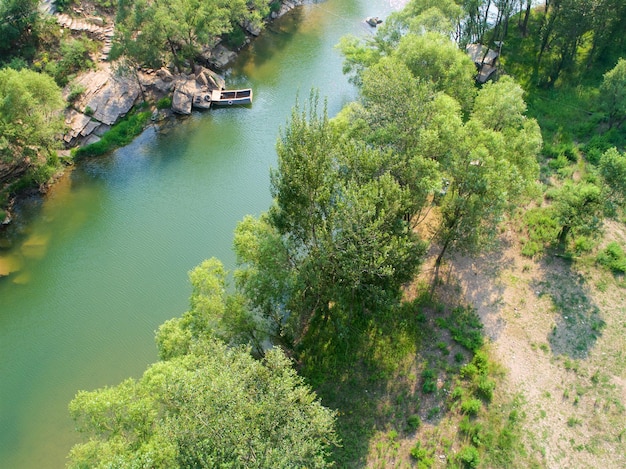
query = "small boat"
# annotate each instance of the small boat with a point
(373, 21)
(231, 97)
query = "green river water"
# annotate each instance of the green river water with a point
(103, 259)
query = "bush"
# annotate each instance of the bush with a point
(466, 328)
(413, 422)
(120, 134)
(469, 457)
(164, 103)
(471, 406)
(422, 456)
(429, 385)
(236, 38)
(613, 257)
(485, 387)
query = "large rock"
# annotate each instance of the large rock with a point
(183, 96)
(221, 56)
(108, 97)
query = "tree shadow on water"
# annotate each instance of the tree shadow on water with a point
(578, 319)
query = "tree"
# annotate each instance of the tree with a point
(205, 404)
(337, 242)
(613, 172)
(18, 26)
(578, 208)
(613, 94)
(435, 58)
(212, 407)
(30, 121)
(156, 31)
(491, 165)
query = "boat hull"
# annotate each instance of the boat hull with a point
(231, 97)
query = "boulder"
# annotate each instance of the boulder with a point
(165, 75)
(221, 56)
(109, 96)
(253, 29)
(182, 99)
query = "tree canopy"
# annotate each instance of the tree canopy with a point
(30, 120)
(156, 32)
(205, 404)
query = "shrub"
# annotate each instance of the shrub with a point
(422, 456)
(485, 387)
(469, 457)
(613, 257)
(471, 406)
(429, 385)
(164, 103)
(469, 371)
(236, 38)
(466, 328)
(413, 422)
(120, 134)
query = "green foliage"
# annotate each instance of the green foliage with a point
(176, 31)
(212, 407)
(75, 92)
(469, 457)
(30, 123)
(336, 240)
(436, 59)
(74, 57)
(19, 26)
(471, 406)
(613, 94)
(542, 229)
(577, 208)
(613, 257)
(120, 134)
(613, 172)
(413, 422)
(236, 38)
(465, 327)
(164, 103)
(430, 384)
(423, 456)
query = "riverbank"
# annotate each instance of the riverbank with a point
(100, 98)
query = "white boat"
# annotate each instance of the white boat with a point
(231, 97)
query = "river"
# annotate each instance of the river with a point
(103, 259)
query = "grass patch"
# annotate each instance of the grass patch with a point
(121, 134)
(613, 257)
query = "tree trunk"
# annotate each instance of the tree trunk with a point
(563, 234)
(526, 18)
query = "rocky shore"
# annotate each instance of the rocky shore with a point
(99, 98)
(108, 95)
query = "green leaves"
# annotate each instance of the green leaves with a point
(214, 407)
(30, 119)
(156, 32)
(613, 94)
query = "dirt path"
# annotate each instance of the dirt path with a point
(560, 335)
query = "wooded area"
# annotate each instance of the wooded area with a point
(424, 157)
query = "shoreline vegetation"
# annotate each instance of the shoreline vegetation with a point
(439, 281)
(111, 92)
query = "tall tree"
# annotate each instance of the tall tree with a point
(338, 226)
(30, 120)
(212, 407)
(613, 94)
(491, 165)
(157, 31)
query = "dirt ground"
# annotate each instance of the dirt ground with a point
(557, 326)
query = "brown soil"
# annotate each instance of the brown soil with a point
(557, 327)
